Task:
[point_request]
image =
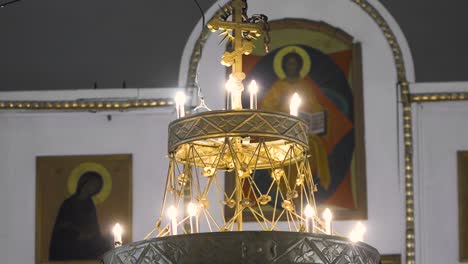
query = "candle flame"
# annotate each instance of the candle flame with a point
(357, 234)
(117, 230)
(294, 104)
(180, 98)
(192, 209)
(253, 87)
(172, 212)
(229, 83)
(327, 215)
(309, 211)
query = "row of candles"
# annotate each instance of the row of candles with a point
(294, 104)
(356, 235)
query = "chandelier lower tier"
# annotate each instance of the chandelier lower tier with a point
(249, 247)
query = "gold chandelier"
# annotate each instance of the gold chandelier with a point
(266, 157)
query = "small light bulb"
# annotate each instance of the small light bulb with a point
(192, 209)
(309, 211)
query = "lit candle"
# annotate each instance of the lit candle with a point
(309, 214)
(294, 105)
(117, 230)
(357, 234)
(192, 210)
(172, 214)
(180, 104)
(327, 216)
(229, 93)
(253, 89)
(235, 87)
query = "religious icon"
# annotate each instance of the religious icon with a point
(79, 199)
(321, 64)
(76, 225)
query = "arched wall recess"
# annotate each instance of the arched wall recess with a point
(402, 61)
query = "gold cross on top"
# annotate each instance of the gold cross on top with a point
(239, 25)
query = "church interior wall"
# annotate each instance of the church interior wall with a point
(23, 137)
(440, 130)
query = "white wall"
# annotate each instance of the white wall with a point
(440, 131)
(24, 136)
(3, 188)
(385, 193)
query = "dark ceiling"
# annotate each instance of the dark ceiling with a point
(65, 44)
(437, 32)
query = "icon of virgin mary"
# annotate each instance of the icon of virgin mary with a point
(76, 234)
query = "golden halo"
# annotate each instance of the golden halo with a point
(278, 65)
(95, 167)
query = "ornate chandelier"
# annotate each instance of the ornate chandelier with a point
(266, 157)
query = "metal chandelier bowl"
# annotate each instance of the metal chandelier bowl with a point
(249, 247)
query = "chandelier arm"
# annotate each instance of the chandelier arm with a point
(207, 220)
(307, 198)
(288, 187)
(218, 193)
(293, 221)
(220, 156)
(257, 148)
(252, 211)
(207, 186)
(169, 173)
(267, 151)
(233, 219)
(195, 152)
(288, 220)
(238, 181)
(164, 232)
(266, 220)
(276, 201)
(225, 195)
(312, 184)
(150, 233)
(212, 219)
(253, 183)
(271, 185)
(302, 201)
(198, 185)
(279, 217)
(256, 198)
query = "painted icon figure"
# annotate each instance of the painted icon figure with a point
(76, 234)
